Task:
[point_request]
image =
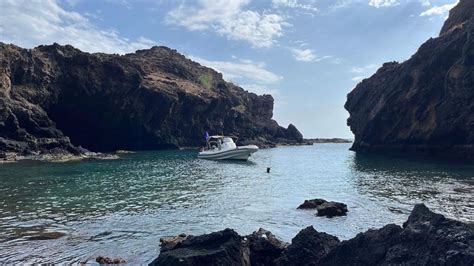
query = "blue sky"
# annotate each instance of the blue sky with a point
(307, 54)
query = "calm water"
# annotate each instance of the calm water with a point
(122, 207)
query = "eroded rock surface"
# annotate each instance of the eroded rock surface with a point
(425, 104)
(57, 99)
(307, 248)
(426, 238)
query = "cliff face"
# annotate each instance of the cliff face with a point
(425, 104)
(57, 98)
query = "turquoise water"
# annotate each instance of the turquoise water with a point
(122, 207)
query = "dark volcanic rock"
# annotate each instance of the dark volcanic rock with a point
(307, 247)
(109, 260)
(425, 104)
(46, 236)
(59, 98)
(311, 204)
(458, 16)
(168, 243)
(264, 247)
(325, 208)
(425, 239)
(331, 209)
(219, 248)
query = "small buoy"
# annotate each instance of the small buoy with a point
(268, 169)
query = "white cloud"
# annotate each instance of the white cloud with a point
(252, 74)
(260, 90)
(363, 69)
(228, 18)
(294, 4)
(308, 55)
(243, 69)
(304, 55)
(439, 10)
(383, 3)
(358, 78)
(425, 2)
(31, 23)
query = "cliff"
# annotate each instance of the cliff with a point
(425, 104)
(58, 99)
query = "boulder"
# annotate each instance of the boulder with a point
(307, 247)
(219, 248)
(331, 209)
(264, 248)
(325, 208)
(311, 204)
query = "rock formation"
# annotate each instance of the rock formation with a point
(58, 99)
(425, 104)
(325, 208)
(426, 238)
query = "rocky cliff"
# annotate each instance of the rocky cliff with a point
(425, 104)
(58, 99)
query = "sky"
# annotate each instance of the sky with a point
(308, 54)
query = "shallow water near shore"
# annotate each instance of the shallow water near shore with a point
(122, 207)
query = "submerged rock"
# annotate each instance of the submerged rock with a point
(425, 104)
(109, 260)
(46, 236)
(307, 248)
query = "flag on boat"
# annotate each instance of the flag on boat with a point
(206, 135)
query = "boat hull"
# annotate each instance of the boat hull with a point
(240, 153)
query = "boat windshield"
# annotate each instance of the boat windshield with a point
(220, 142)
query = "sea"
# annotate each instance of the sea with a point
(72, 212)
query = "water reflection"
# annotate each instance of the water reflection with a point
(122, 207)
(447, 186)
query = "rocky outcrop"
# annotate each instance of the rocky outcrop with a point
(325, 208)
(425, 104)
(307, 248)
(57, 99)
(218, 248)
(426, 238)
(263, 247)
(225, 247)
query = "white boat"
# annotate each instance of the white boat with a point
(224, 148)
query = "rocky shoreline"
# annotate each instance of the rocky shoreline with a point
(57, 99)
(327, 140)
(426, 238)
(56, 157)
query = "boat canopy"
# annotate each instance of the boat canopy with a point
(216, 137)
